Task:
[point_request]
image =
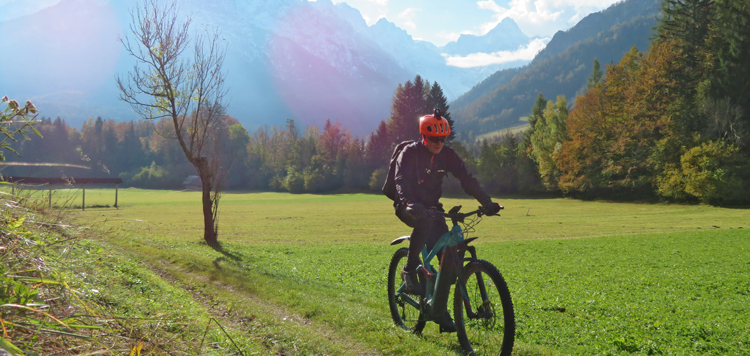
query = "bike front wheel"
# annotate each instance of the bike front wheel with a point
(404, 308)
(483, 311)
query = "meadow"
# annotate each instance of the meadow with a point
(305, 274)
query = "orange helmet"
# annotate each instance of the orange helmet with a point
(434, 125)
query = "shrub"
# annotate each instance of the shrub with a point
(154, 176)
(377, 179)
(294, 182)
(277, 183)
(314, 181)
(711, 173)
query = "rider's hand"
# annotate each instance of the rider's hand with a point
(416, 210)
(491, 208)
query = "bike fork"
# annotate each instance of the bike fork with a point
(465, 295)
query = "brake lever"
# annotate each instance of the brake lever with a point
(482, 212)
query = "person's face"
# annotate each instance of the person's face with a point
(434, 144)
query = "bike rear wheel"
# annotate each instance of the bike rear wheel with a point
(489, 327)
(403, 310)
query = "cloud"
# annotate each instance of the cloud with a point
(407, 18)
(574, 20)
(490, 5)
(484, 59)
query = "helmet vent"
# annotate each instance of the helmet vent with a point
(433, 125)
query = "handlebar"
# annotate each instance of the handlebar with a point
(457, 217)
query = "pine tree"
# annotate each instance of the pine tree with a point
(730, 49)
(92, 136)
(536, 113)
(64, 151)
(378, 147)
(292, 147)
(408, 105)
(130, 152)
(110, 164)
(596, 75)
(689, 22)
(437, 100)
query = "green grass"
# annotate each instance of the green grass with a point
(272, 218)
(65, 291)
(305, 274)
(676, 293)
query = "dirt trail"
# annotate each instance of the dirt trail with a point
(233, 319)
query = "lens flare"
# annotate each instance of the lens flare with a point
(70, 47)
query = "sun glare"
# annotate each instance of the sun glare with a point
(63, 48)
(321, 73)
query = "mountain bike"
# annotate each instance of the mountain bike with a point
(482, 307)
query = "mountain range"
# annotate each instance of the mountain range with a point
(503, 99)
(310, 61)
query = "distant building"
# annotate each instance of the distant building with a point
(192, 183)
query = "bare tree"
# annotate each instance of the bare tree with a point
(166, 82)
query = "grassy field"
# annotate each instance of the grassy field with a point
(305, 274)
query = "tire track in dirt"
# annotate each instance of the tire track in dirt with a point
(234, 320)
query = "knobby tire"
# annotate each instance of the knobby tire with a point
(493, 332)
(403, 314)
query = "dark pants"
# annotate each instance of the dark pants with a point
(427, 232)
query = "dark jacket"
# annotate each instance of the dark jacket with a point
(419, 176)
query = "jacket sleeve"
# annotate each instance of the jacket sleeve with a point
(469, 184)
(405, 176)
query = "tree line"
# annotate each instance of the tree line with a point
(280, 158)
(670, 123)
(285, 158)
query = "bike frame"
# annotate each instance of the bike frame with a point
(438, 283)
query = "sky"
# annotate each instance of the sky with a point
(443, 21)
(10, 9)
(436, 21)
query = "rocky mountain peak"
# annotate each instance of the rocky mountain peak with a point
(506, 36)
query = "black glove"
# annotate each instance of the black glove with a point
(491, 208)
(416, 210)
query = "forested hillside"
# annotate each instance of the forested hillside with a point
(671, 122)
(560, 69)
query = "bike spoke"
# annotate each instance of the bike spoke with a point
(483, 316)
(404, 308)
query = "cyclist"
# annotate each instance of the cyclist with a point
(420, 168)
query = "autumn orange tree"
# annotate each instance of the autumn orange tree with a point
(582, 158)
(622, 131)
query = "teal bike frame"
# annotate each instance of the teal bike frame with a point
(438, 283)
